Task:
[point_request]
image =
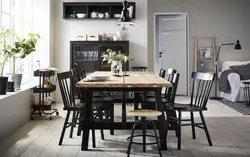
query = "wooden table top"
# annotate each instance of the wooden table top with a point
(134, 80)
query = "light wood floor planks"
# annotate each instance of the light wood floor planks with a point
(230, 133)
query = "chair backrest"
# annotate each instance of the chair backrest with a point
(67, 84)
(170, 92)
(162, 73)
(170, 74)
(199, 96)
(78, 72)
(139, 68)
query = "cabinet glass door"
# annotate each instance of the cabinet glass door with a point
(86, 56)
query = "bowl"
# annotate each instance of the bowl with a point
(81, 15)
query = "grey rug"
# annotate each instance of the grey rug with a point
(238, 106)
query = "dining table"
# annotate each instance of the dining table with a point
(132, 81)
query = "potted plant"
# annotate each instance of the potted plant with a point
(6, 52)
(22, 48)
(116, 58)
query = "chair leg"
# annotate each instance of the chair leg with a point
(179, 137)
(192, 122)
(79, 130)
(93, 138)
(156, 137)
(144, 133)
(131, 139)
(168, 119)
(77, 116)
(111, 111)
(205, 128)
(101, 119)
(136, 102)
(64, 128)
(72, 125)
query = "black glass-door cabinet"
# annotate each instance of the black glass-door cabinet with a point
(87, 54)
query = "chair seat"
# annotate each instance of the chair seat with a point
(152, 100)
(144, 113)
(102, 99)
(101, 94)
(79, 106)
(183, 107)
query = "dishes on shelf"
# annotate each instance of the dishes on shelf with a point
(81, 15)
(86, 55)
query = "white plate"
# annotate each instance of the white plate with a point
(117, 15)
(99, 77)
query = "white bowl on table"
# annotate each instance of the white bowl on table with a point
(81, 15)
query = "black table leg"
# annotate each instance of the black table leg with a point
(88, 110)
(161, 119)
(124, 118)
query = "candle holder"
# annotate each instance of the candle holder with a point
(125, 69)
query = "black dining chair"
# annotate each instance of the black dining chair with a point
(169, 77)
(107, 102)
(198, 103)
(66, 82)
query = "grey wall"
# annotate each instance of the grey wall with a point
(14, 112)
(227, 20)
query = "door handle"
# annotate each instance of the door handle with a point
(160, 54)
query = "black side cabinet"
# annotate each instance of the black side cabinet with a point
(87, 54)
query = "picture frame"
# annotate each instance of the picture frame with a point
(206, 53)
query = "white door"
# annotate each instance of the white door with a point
(172, 47)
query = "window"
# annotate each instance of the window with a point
(17, 15)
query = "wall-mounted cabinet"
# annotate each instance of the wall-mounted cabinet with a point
(95, 10)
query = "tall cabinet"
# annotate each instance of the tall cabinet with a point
(87, 54)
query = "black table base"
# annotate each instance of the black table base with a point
(86, 125)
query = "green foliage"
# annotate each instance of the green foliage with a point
(6, 48)
(110, 56)
(24, 47)
(21, 46)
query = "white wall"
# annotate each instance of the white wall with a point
(227, 20)
(65, 30)
(14, 112)
(42, 23)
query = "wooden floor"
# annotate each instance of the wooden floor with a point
(230, 133)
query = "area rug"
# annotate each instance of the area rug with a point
(238, 106)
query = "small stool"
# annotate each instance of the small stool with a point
(247, 92)
(143, 122)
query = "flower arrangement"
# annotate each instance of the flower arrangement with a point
(111, 55)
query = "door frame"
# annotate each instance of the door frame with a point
(187, 40)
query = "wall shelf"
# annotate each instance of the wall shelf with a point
(72, 8)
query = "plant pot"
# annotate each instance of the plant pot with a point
(10, 86)
(3, 85)
(18, 81)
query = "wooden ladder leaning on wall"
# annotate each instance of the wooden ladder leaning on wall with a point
(198, 60)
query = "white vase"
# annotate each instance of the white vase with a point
(119, 35)
(116, 65)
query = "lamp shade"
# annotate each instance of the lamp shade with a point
(237, 45)
(125, 13)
